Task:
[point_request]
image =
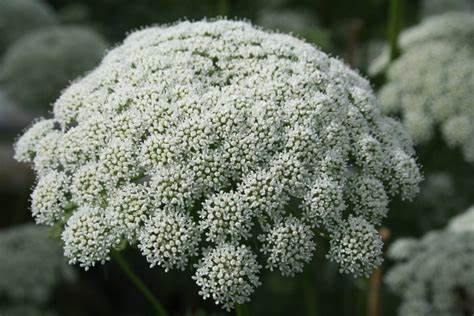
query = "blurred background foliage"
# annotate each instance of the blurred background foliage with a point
(44, 45)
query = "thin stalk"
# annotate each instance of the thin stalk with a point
(123, 264)
(394, 27)
(310, 297)
(355, 28)
(223, 7)
(373, 297)
(241, 310)
(374, 300)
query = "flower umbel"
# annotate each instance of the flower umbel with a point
(193, 140)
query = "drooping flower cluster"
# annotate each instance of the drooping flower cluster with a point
(430, 85)
(32, 266)
(435, 274)
(72, 50)
(19, 17)
(213, 141)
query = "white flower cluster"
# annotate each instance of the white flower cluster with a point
(456, 28)
(228, 274)
(357, 247)
(73, 50)
(402, 248)
(169, 239)
(430, 85)
(463, 222)
(435, 274)
(19, 17)
(31, 266)
(207, 135)
(289, 245)
(89, 236)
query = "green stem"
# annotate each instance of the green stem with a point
(223, 7)
(310, 295)
(123, 264)
(394, 27)
(241, 310)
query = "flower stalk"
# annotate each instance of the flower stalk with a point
(223, 7)
(394, 27)
(309, 296)
(242, 310)
(123, 264)
(374, 300)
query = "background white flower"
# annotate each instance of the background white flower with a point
(18, 17)
(463, 222)
(32, 265)
(72, 50)
(434, 275)
(430, 85)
